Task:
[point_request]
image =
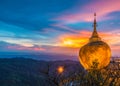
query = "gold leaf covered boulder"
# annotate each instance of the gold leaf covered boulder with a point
(95, 51)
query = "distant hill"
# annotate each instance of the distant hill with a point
(29, 72)
(38, 56)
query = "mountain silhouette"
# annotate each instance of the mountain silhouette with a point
(29, 72)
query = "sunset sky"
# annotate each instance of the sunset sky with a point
(57, 26)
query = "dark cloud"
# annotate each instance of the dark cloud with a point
(32, 14)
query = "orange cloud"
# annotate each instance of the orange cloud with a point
(78, 40)
(74, 40)
(71, 43)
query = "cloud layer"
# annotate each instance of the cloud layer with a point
(57, 26)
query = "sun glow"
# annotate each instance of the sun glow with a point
(73, 42)
(68, 42)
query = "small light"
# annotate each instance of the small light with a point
(60, 69)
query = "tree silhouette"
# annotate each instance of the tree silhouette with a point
(109, 76)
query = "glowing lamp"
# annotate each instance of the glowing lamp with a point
(60, 69)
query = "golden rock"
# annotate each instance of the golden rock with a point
(95, 53)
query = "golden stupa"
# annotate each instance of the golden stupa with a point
(96, 52)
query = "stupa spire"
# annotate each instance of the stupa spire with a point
(94, 36)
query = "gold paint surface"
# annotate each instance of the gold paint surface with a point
(98, 52)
